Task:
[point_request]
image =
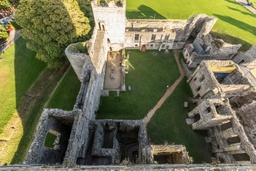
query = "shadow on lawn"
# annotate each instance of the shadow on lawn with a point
(237, 23)
(245, 13)
(144, 12)
(233, 2)
(34, 85)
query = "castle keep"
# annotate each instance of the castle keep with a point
(224, 91)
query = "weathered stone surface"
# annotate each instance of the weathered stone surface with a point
(178, 152)
(222, 93)
(205, 47)
(218, 98)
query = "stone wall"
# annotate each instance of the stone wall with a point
(154, 34)
(111, 19)
(51, 120)
(205, 47)
(178, 152)
(203, 82)
(212, 112)
(246, 57)
(88, 98)
(77, 60)
(232, 140)
(143, 167)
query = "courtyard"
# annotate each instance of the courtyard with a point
(150, 74)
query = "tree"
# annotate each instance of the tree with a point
(3, 33)
(14, 2)
(4, 4)
(50, 26)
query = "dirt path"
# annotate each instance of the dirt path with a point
(168, 92)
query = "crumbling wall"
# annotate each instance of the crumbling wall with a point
(203, 83)
(245, 97)
(121, 126)
(232, 90)
(225, 149)
(247, 117)
(203, 24)
(246, 57)
(77, 59)
(56, 120)
(229, 139)
(178, 153)
(212, 112)
(205, 47)
(155, 34)
(236, 77)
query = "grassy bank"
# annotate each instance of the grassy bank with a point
(19, 69)
(64, 96)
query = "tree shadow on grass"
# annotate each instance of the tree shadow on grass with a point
(33, 86)
(144, 12)
(240, 24)
(245, 13)
(233, 2)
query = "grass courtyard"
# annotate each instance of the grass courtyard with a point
(148, 77)
(235, 23)
(168, 125)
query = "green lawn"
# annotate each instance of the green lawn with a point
(49, 140)
(148, 77)
(234, 20)
(65, 95)
(169, 125)
(18, 71)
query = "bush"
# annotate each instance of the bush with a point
(3, 33)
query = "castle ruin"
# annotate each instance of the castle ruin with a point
(223, 90)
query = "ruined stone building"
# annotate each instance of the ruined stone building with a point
(83, 140)
(205, 47)
(226, 103)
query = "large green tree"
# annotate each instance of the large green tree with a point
(50, 25)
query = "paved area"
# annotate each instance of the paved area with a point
(168, 91)
(113, 72)
(244, 3)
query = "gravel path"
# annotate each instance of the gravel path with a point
(168, 92)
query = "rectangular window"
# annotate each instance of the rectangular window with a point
(136, 37)
(166, 38)
(153, 37)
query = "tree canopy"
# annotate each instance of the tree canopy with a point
(50, 26)
(3, 33)
(5, 4)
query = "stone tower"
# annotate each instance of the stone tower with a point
(110, 17)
